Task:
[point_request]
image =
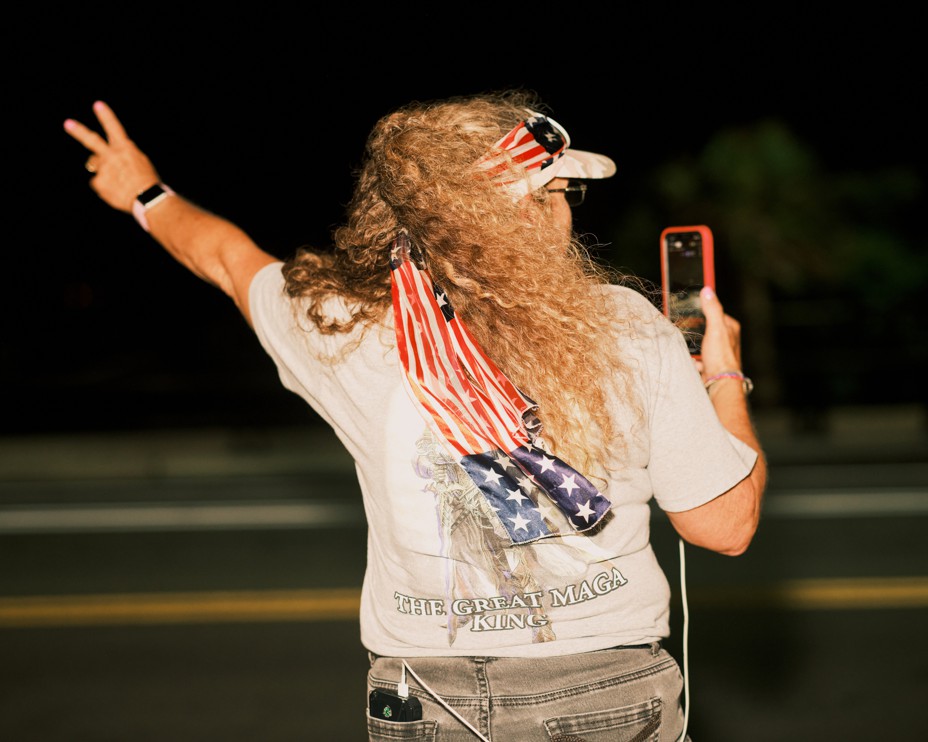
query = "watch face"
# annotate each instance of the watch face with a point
(150, 194)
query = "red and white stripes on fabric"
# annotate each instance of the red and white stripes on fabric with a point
(474, 405)
(522, 148)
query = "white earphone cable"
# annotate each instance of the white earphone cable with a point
(443, 703)
(686, 634)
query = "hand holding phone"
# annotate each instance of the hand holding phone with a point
(687, 264)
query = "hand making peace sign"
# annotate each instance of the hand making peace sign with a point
(121, 171)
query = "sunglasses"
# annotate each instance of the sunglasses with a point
(573, 193)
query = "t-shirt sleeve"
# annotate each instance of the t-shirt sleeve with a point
(270, 314)
(275, 322)
(342, 376)
(693, 458)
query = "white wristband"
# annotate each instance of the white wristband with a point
(146, 200)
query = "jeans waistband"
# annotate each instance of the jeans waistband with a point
(654, 646)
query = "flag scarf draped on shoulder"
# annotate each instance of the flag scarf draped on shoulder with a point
(484, 420)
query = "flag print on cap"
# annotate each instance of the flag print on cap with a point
(539, 148)
(483, 419)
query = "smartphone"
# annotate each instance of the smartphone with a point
(391, 707)
(687, 264)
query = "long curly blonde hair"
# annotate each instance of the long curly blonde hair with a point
(525, 286)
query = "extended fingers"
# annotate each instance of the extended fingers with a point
(115, 132)
(88, 137)
(96, 143)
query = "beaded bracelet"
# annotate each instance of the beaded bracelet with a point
(746, 383)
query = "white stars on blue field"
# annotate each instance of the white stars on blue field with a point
(522, 485)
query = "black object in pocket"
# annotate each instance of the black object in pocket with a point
(391, 707)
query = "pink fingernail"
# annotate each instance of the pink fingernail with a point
(97, 105)
(707, 292)
(69, 124)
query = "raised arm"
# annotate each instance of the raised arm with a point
(211, 247)
(728, 523)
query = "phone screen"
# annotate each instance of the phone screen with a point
(685, 279)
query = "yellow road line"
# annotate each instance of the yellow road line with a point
(821, 594)
(194, 607)
(343, 604)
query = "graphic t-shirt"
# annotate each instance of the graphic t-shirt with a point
(442, 576)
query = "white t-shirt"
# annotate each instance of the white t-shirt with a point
(440, 578)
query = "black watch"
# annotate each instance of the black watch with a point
(148, 199)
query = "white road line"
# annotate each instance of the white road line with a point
(193, 516)
(887, 502)
(176, 517)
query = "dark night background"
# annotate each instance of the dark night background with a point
(261, 117)
(148, 450)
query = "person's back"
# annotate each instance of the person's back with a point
(511, 415)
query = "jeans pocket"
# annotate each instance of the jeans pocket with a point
(379, 730)
(640, 722)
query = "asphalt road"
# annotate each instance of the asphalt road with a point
(203, 586)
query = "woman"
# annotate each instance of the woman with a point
(511, 410)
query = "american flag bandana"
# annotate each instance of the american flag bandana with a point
(535, 144)
(484, 420)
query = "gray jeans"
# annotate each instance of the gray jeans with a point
(621, 695)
